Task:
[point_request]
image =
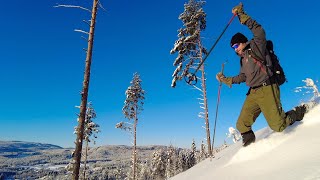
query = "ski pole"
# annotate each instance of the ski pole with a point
(217, 108)
(192, 77)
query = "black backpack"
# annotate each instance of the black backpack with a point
(276, 68)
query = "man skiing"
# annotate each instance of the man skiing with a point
(264, 93)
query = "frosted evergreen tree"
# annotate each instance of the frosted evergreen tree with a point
(310, 87)
(90, 132)
(202, 155)
(139, 167)
(224, 145)
(178, 161)
(133, 105)
(193, 147)
(170, 163)
(192, 155)
(145, 172)
(182, 161)
(158, 165)
(191, 53)
(118, 173)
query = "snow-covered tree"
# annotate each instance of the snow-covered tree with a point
(193, 147)
(90, 132)
(192, 155)
(158, 164)
(182, 163)
(118, 173)
(133, 105)
(202, 155)
(191, 52)
(170, 163)
(145, 171)
(309, 87)
(189, 46)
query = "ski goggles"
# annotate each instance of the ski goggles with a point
(235, 46)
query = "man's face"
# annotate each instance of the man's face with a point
(238, 47)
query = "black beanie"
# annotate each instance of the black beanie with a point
(238, 38)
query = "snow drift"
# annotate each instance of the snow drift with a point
(290, 155)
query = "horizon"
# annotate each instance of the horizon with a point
(43, 69)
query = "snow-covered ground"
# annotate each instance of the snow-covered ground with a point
(290, 155)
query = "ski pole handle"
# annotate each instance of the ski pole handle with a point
(222, 68)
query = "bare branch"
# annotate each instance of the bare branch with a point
(72, 6)
(87, 22)
(81, 31)
(100, 5)
(84, 38)
(197, 88)
(188, 42)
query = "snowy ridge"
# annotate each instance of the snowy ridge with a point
(289, 155)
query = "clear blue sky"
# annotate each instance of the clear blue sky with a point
(43, 62)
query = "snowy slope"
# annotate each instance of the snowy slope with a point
(290, 155)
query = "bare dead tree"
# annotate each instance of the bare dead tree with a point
(190, 54)
(85, 88)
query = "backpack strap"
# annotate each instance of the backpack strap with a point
(264, 60)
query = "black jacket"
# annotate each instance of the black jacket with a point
(253, 69)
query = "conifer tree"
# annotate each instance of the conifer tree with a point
(90, 132)
(133, 105)
(180, 162)
(158, 164)
(170, 163)
(191, 52)
(202, 154)
(118, 173)
(192, 155)
(145, 172)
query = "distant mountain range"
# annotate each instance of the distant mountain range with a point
(30, 160)
(13, 149)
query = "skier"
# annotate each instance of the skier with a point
(264, 93)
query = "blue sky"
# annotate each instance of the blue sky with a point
(43, 63)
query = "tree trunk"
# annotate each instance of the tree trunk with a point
(206, 114)
(135, 144)
(205, 102)
(84, 95)
(85, 159)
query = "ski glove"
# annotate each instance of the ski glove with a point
(227, 80)
(243, 17)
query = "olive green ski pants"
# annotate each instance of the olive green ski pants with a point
(266, 100)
